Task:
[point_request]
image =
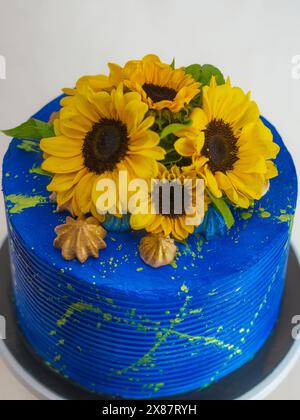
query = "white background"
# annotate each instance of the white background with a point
(48, 44)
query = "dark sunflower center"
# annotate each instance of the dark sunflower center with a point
(220, 146)
(159, 93)
(105, 145)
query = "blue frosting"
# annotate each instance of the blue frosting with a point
(118, 326)
(213, 225)
(117, 224)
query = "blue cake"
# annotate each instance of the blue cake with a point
(117, 326)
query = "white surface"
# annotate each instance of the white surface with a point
(48, 44)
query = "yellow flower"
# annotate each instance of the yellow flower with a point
(159, 84)
(98, 135)
(171, 223)
(97, 83)
(230, 147)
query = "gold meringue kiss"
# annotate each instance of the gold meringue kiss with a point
(80, 239)
(157, 250)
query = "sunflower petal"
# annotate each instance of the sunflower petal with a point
(83, 192)
(185, 146)
(61, 146)
(63, 166)
(143, 167)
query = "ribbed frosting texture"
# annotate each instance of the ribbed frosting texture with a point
(119, 327)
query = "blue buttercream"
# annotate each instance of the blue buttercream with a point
(117, 224)
(213, 225)
(115, 325)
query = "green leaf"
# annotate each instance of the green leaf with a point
(208, 71)
(31, 129)
(173, 128)
(173, 64)
(203, 74)
(171, 158)
(195, 70)
(223, 208)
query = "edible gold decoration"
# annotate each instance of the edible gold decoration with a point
(157, 250)
(80, 239)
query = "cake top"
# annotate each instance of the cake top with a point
(167, 156)
(199, 263)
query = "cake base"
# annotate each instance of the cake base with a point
(255, 380)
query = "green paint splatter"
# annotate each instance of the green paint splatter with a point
(21, 202)
(155, 387)
(184, 289)
(265, 215)
(107, 316)
(109, 300)
(195, 311)
(286, 218)
(57, 358)
(174, 264)
(246, 216)
(39, 171)
(209, 341)
(29, 146)
(76, 307)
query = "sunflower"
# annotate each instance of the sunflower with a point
(173, 222)
(98, 135)
(159, 85)
(230, 147)
(97, 83)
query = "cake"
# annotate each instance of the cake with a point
(123, 308)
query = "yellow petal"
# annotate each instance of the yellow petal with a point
(223, 181)
(64, 197)
(103, 102)
(134, 114)
(116, 73)
(147, 123)
(251, 185)
(141, 221)
(251, 164)
(166, 224)
(272, 171)
(61, 146)
(144, 140)
(69, 132)
(199, 119)
(143, 167)
(157, 153)
(185, 146)
(212, 183)
(62, 182)
(63, 166)
(83, 192)
(86, 109)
